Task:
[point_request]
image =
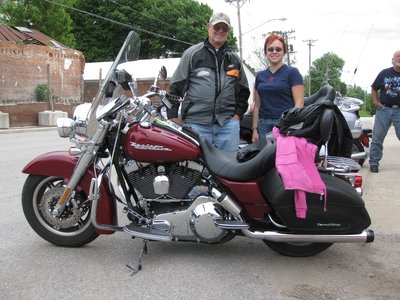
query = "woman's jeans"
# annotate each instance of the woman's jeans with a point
(225, 137)
(265, 126)
(383, 119)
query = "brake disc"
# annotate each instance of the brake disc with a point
(70, 215)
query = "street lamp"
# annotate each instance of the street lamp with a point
(278, 19)
(270, 20)
(239, 4)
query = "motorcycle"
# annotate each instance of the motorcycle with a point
(70, 197)
(348, 106)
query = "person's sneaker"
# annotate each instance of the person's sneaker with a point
(374, 169)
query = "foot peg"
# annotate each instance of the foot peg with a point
(147, 233)
(231, 225)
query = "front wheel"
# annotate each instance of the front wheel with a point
(297, 249)
(72, 228)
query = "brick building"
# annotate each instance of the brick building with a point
(29, 58)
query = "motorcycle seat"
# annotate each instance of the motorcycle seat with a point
(225, 164)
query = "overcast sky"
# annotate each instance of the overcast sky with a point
(364, 33)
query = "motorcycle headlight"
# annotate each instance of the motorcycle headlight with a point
(65, 127)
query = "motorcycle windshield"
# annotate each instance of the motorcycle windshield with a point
(129, 52)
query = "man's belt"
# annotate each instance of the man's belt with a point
(392, 106)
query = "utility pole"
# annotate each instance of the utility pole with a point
(310, 44)
(286, 36)
(239, 4)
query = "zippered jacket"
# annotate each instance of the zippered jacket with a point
(213, 84)
(295, 164)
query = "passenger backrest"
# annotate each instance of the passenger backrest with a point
(327, 92)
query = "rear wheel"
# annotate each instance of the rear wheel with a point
(73, 228)
(357, 148)
(297, 249)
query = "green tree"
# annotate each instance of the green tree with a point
(326, 69)
(166, 28)
(357, 92)
(41, 15)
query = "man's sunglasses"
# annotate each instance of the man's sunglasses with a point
(277, 49)
(219, 26)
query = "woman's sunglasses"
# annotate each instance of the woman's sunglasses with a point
(277, 49)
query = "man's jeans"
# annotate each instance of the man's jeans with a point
(224, 137)
(383, 118)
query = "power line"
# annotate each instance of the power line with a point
(118, 23)
(362, 52)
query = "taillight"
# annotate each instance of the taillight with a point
(355, 179)
(358, 181)
(364, 139)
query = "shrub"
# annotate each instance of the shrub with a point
(42, 92)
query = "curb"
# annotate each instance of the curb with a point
(27, 129)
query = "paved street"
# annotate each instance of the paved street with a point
(31, 268)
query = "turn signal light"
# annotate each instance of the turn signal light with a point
(74, 151)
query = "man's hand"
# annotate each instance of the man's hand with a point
(176, 121)
(378, 105)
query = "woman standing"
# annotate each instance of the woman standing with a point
(278, 88)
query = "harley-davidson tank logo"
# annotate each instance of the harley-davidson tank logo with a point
(149, 147)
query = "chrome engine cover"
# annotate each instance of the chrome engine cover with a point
(196, 223)
(203, 225)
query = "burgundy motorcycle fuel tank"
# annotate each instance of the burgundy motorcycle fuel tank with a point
(155, 143)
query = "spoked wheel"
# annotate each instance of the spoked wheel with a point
(357, 148)
(297, 249)
(72, 228)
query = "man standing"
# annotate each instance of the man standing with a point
(211, 79)
(387, 109)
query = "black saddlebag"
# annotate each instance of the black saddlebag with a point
(345, 209)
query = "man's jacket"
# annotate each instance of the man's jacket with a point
(213, 84)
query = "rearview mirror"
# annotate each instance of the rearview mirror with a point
(163, 73)
(123, 78)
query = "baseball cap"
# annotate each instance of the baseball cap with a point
(220, 17)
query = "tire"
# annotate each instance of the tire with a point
(357, 148)
(72, 229)
(297, 249)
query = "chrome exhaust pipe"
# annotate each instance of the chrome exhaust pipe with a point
(359, 155)
(367, 236)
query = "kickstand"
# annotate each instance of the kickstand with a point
(139, 267)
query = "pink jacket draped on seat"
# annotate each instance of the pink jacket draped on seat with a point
(295, 164)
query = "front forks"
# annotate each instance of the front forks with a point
(86, 158)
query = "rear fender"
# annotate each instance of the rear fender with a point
(61, 164)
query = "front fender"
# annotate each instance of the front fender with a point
(62, 164)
